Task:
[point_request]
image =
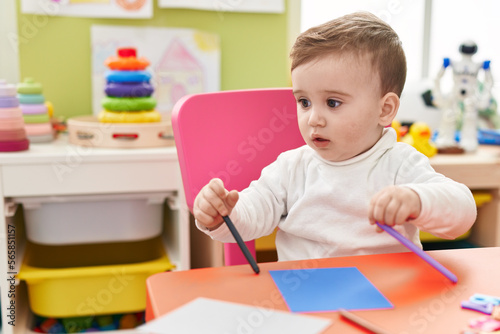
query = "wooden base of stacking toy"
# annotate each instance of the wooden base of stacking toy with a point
(89, 131)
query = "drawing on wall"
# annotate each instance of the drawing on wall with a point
(178, 73)
(131, 9)
(255, 6)
(183, 61)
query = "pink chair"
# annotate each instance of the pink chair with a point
(232, 135)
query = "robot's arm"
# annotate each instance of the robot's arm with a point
(437, 96)
(485, 97)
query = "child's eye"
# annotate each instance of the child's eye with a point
(304, 103)
(333, 103)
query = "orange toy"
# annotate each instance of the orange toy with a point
(127, 61)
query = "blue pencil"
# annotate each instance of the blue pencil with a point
(242, 244)
(414, 248)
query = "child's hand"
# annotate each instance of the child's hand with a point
(394, 206)
(213, 202)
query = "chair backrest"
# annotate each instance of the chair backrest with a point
(232, 135)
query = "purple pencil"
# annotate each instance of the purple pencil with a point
(414, 248)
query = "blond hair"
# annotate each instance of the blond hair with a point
(359, 33)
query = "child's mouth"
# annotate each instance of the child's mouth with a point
(320, 142)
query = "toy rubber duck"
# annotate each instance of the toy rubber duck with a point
(418, 136)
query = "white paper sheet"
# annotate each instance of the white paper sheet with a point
(209, 316)
(255, 6)
(131, 9)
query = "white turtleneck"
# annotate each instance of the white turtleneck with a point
(321, 207)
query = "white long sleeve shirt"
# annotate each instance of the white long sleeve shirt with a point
(321, 207)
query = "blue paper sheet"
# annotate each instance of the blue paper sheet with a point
(328, 289)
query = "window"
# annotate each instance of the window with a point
(430, 31)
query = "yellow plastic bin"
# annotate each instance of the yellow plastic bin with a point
(92, 279)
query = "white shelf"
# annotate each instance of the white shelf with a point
(63, 169)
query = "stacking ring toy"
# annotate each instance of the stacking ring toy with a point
(29, 86)
(127, 76)
(126, 64)
(33, 109)
(106, 116)
(128, 103)
(7, 89)
(141, 89)
(9, 102)
(36, 118)
(31, 98)
(10, 113)
(13, 135)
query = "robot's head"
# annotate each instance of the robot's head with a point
(468, 48)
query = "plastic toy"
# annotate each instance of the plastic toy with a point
(128, 103)
(35, 111)
(126, 60)
(31, 98)
(128, 76)
(419, 136)
(12, 133)
(129, 117)
(464, 100)
(9, 102)
(116, 89)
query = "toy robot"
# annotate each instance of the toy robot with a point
(464, 100)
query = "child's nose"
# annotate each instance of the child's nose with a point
(316, 118)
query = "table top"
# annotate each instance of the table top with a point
(424, 300)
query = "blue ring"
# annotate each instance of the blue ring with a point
(127, 76)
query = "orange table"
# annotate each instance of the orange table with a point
(424, 300)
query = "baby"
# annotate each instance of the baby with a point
(347, 77)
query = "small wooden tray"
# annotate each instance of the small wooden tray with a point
(88, 131)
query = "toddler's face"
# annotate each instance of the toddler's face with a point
(338, 105)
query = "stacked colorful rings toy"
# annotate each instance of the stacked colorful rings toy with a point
(128, 118)
(12, 133)
(128, 90)
(35, 112)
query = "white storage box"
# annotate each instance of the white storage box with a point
(63, 220)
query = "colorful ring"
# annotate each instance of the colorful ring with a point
(7, 89)
(31, 98)
(128, 103)
(34, 109)
(11, 113)
(29, 86)
(126, 63)
(127, 76)
(12, 123)
(36, 118)
(38, 129)
(13, 135)
(14, 146)
(9, 102)
(141, 89)
(150, 116)
(41, 138)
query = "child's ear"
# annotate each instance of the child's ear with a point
(389, 105)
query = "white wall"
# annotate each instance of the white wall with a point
(9, 58)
